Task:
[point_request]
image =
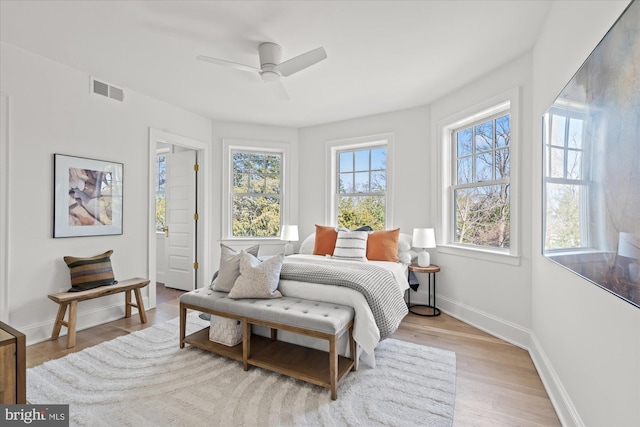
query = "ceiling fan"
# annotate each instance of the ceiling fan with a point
(271, 69)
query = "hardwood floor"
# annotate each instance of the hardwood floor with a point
(496, 384)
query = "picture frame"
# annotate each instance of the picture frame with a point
(591, 196)
(88, 197)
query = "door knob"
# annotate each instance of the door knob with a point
(166, 231)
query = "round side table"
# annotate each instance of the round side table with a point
(429, 309)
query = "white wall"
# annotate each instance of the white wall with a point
(412, 193)
(492, 296)
(587, 340)
(53, 111)
(488, 292)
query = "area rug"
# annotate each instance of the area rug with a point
(145, 379)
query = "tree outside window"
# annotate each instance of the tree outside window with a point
(257, 194)
(566, 183)
(481, 184)
(362, 187)
(161, 174)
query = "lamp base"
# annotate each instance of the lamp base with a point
(288, 249)
(424, 259)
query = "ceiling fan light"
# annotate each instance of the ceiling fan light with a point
(269, 76)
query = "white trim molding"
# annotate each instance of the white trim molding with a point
(204, 205)
(508, 100)
(525, 339)
(284, 148)
(5, 177)
(560, 399)
(111, 311)
(493, 325)
(331, 149)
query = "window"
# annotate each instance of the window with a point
(256, 193)
(362, 186)
(360, 189)
(566, 181)
(161, 163)
(480, 190)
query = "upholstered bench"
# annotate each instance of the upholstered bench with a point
(312, 318)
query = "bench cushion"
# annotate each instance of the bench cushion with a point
(306, 314)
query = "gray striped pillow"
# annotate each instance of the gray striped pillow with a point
(89, 273)
(351, 245)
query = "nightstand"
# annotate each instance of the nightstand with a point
(430, 309)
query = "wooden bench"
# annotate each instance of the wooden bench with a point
(71, 299)
(315, 319)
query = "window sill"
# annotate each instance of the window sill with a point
(248, 240)
(578, 251)
(480, 254)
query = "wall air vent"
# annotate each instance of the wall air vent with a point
(105, 89)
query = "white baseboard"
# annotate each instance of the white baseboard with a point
(567, 412)
(500, 328)
(42, 331)
(525, 339)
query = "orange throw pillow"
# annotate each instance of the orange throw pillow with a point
(383, 245)
(325, 240)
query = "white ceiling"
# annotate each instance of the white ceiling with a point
(382, 55)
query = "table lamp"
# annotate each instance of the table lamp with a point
(290, 234)
(424, 238)
(629, 247)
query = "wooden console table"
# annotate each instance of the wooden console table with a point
(71, 300)
(13, 366)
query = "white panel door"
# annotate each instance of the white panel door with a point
(180, 209)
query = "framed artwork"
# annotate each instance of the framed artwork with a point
(592, 165)
(87, 197)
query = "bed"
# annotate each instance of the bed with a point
(379, 303)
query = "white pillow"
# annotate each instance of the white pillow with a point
(404, 242)
(351, 245)
(307, 245)
(229, 267)
(406, 257)
(258, 279)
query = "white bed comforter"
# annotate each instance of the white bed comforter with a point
(365, 331)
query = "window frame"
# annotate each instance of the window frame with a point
(476, 183)
(333, 148)
(160, 153)
(261, 147)
(496, 105)
(583, 182)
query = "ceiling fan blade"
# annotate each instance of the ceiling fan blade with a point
(279, 90)
(301, 62)
(228, 64)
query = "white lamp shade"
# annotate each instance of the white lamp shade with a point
(629, 245)
(424, 238)
(289, 233)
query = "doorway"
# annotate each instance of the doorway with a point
(178, 235)
(176, 216)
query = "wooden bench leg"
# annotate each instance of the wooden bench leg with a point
(70, 323)
(246, 343)
(140, 306)
(183, 325)
(59, 323)
(127, 303)
(333, 368)
(352, 348)
(71, 327)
